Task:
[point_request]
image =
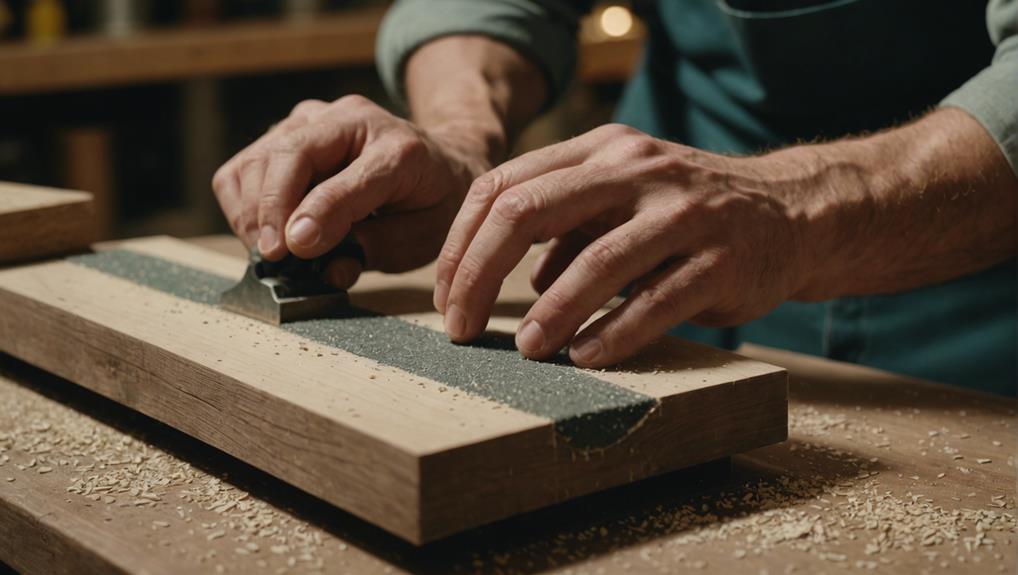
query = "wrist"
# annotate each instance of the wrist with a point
(833, 193)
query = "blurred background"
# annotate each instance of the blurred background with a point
(139, 101)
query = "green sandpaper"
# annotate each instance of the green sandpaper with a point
(588, 413)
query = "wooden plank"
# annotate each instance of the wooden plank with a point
(37, 221)
(328, 41)
(407, 453)
(676, 523)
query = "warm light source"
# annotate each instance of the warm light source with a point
(616, 21)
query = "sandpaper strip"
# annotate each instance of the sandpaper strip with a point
(589, 413)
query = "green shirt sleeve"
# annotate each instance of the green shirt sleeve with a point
(543, 30)
(992, 95)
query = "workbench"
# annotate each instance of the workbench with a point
(880, 472)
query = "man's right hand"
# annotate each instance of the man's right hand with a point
(362, 161)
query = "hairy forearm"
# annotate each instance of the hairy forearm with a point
(911, 206)
(474, 94)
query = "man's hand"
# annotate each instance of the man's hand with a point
(720, 240)
(362, 161)
(696, 235)
(467, 96)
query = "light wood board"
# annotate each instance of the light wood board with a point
(37, 221)
(677, 523)
(400, 451)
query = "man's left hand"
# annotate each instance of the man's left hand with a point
(696, 236)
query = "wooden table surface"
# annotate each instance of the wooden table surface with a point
(879, 473)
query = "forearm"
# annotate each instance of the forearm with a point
(474, 94)
(911, 206)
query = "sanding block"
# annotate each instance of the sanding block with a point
(291, 289)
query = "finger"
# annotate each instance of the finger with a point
(227, 191)
(681, 291)
(553, 261)
(286, 178)
(548, 206)
(482, 195)
(226, 183)
(328, 211)
(251, 176)
(598, 274)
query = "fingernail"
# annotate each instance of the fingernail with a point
(304, 232)
(587, 348)
(268, 239)
(455, 322)
(441, 294)
(530, 338)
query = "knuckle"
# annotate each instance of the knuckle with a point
(268, 203)
(616, 130)
(660, 301)
(515, 207)
(554, 303)
(327, 199)
(353, 101)
(448, 259)
(468, 272)
(602, 257)
(307, 108)
(220, 179)
(638, 146)
(486, 187)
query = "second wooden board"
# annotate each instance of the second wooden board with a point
(378, 413)
(37, 221)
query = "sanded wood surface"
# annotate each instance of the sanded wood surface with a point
(330, 40)
(88, 486)
(409, 454)
(37, 221)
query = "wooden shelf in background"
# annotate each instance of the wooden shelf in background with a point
(333, 40)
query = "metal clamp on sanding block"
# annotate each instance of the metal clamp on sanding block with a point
(291, 289)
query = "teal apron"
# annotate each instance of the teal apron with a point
(742, 76)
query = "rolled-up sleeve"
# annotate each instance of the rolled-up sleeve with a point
(992, 95)
(542, 30)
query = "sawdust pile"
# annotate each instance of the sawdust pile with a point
(116, 470)
(852, 523)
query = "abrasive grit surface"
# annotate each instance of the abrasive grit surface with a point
(589, 413)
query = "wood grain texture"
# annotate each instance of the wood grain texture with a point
(634, 529)
(331, 40)
(398, 450)
(37, 221)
